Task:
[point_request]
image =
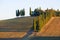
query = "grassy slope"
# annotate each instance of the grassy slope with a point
(16, 24)
(16, 27)
(51, 29)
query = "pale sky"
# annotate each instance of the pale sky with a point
(8, 7)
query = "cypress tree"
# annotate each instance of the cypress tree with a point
(17, 12)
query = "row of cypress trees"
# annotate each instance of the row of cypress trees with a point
(20, 13)
(44, 17)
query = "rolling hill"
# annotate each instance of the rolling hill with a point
(16, 27)
(52, 28)
(16, 24)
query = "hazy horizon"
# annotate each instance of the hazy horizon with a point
(9, 7)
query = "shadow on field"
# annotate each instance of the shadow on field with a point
(10, 38)
(44, 38)
(33, 38)
(27, 36)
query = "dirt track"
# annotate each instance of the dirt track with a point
(52, 28)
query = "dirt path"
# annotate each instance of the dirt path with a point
(52, 28)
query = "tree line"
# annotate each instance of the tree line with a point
(20, 12)
(42, 17)
(39, 11)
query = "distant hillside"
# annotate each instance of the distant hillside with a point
(16, 24)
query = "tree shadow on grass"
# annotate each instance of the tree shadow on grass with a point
(26, 37)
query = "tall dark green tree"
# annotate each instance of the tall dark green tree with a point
(36, 12)
(22, 12)
(17, 13)
(30, 12)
